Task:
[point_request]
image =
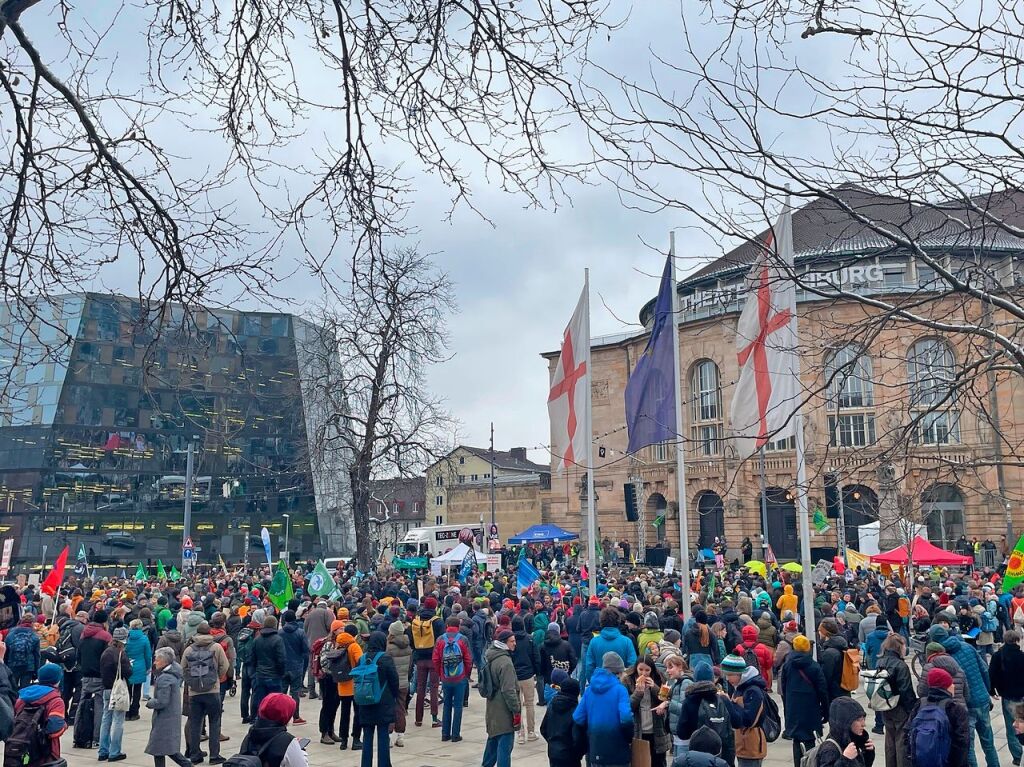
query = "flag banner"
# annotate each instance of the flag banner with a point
(409, 563)
(769, 557)
(140, 573)
(161, 573)
(81, 562)
(265, 536)
(281, 591)
(567, 397)
(767, 392)
(223, 566)
(321, 582)
(56, 576)
(468, 565)
(526, 575)
(651, 388)
(124, 575)
(1014, 567)
(821, 524)
(175, 575)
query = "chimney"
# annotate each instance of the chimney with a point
(517, 453)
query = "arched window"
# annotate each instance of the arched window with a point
(706, 408)
(851, 397)
(711, 511)
(930, 374)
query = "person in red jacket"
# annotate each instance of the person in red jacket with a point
(764, 656)
(454, 676)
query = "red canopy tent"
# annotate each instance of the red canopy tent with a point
(925, 553)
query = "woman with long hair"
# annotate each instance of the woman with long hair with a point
(650, 708)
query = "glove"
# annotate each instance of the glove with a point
(517, 722)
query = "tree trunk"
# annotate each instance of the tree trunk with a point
(359, 481)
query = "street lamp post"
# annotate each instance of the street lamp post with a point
(287, 553)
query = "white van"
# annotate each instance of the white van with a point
(431, 541)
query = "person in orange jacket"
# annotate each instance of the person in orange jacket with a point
(346, 690)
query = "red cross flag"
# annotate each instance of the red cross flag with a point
(767, 393)
(567, 399)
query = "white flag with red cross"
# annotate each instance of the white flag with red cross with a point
(567, 399)
(767, 392)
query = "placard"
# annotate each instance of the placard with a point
(5, 563)
(670, 565)
(436, 567)
(493, 562)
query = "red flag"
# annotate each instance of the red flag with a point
(56, 576)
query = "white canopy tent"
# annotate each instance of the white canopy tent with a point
(454, 557)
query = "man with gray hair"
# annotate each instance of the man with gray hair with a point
(165, 727)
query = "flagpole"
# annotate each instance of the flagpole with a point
(684, 533)
(588, 427)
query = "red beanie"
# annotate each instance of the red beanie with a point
(749, 633)
(940, 678)
(504, 620)
(430, 603)
(277, 707)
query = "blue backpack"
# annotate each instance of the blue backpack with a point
(452, 662)
(367, 689)
(988, 622)
(929, 735)
(20, 644)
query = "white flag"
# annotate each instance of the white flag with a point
(567, 399)
(767, 393)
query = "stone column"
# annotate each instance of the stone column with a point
(889, 526)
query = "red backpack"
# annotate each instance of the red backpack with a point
(317, 668)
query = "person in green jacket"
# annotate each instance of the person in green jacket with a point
(651, 632)
(502, 717)
(163, 614)
(540, 630)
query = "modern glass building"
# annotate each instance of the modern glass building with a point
(102, 396)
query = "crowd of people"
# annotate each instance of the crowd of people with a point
(617, 677)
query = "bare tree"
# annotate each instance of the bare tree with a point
(368, 381)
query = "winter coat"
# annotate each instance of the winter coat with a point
(348, 643)
(383, 711)
(747, 708)
(660, 736)
(841, 714)
(172, 638)
(317, 623)
(165, 727)
(456, 636)
(505, 702)
(676, 700)
(567, 741)
(478, 637)
(804, 696)
(699, 759)
(765, 658)
(419, 626)
(191, 626)
(866, 626)
(268, 655)
(1007, 672)
(830, 656)
(873, 645)
(609, 640)
(900, 681)
(50, 699)
(296, 649)
(140, 653)
(645, 636)
(523, 657)
(572, 628)
(979, 687)
(788, 600)
(22, 650)
(556, 653)
(690, 720)
(589, 623)
(945, 662)
(767, 634)
(605, 713)
(279, 747)
(693, 644)
(109, 661)
(401, 654)
(207, 641)
(960, 731)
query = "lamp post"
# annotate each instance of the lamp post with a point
(287, 554)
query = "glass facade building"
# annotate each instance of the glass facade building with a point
(102, 396)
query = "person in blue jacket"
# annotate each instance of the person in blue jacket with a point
(978, 692)
(610, 639)
(140, 653)
(872, 652)
(604, 712)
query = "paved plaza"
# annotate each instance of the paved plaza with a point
(423, 746)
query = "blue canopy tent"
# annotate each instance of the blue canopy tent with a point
(542, 534)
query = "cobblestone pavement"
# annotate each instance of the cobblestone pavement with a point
(423, 746)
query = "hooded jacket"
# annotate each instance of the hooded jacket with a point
(348, 643)
(567, 741)
(172, 638)
(504, 704)
(831, 659)
(296, 648)
(401, 654)
(646, 635)
(590, 623)
(747, 709)
(841, 714)
(165, 731)
(268, 656)
(1007, 672)
(605, 713)
(419, 625)
(140, 654)
(556, 653)
(979, 686)
(609, 640)
(788, 600)
(94, 641)
(49, 698)
(960, 731)
(873, 645)
(804, 696)
(23, 650)
(690, 715)
(195, 617)
(765, 657)
(274, 744)
(383, 711)
(944, 661)
(452, 634)
(767, 634)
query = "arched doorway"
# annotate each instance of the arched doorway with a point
(711, 512)
(943, 508)
(781, 513)
(860, 507)
(656, 510)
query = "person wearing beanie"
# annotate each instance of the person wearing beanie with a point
(399, 649)
(346, 642)
(296, 653)
(566, 740)
(804, 695)
(651, 632)
(140, 654)
(502, 709)
(849, 743)
(704, 749)
(43, 698)
(605, 712)
(203, 665)
(113, 663)
(377, 718)
(746, 707)
(424, 632)
(267, 661)
(756, 654)
(589, 624)
(527, 665)
(556, 654)
(939, 686)
(481, 634)
(702, 705)
(269, 739)
(453, 663)
(610, 639)
(831, 652)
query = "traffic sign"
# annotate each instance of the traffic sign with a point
(188, 544)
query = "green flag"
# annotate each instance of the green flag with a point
(160, 572)
(821, 524)
(321, 582)
(174, 573)
(1014, 567)
(140, 573)
(281, 587)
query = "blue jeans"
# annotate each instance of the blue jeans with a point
(451, 714)
(498, 750)
(980, 722)
(1011, 739)
(262, 687)
(111, 728)
(383, 746)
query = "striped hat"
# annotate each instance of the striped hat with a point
(733, 664)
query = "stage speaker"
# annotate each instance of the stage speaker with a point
(831, 495)
(632, 492)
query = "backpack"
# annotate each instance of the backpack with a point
(929, 735)
(423, 634)
(28, 744)
(266, 756)
(988, 622)
(66, 652)
(368, 689)
(484, 681)
(810, 757)
(751, 659)
(1018, 615)
(878, 688)
(243, 644)
(339, 664)
(19, 648)
(771, 722)
(849, 680)
(202, 669)
(452, 663)
(315, 664)
(715, 716)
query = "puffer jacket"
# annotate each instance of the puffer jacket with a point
(747, 708)
(172, 638)
(401, 653)
(566, 740)
(831, 659)
(348, 643)
(556, 653)
(609, 640)
(951, 667)
(140, 654)
(767, 634)
(604, 712)
(979, 685)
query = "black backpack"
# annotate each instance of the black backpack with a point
(66, 652)
(243, 644)
(270, 755)
(714, 715)
(28, 744)
(340, 666)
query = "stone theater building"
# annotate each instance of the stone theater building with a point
(901, 419)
